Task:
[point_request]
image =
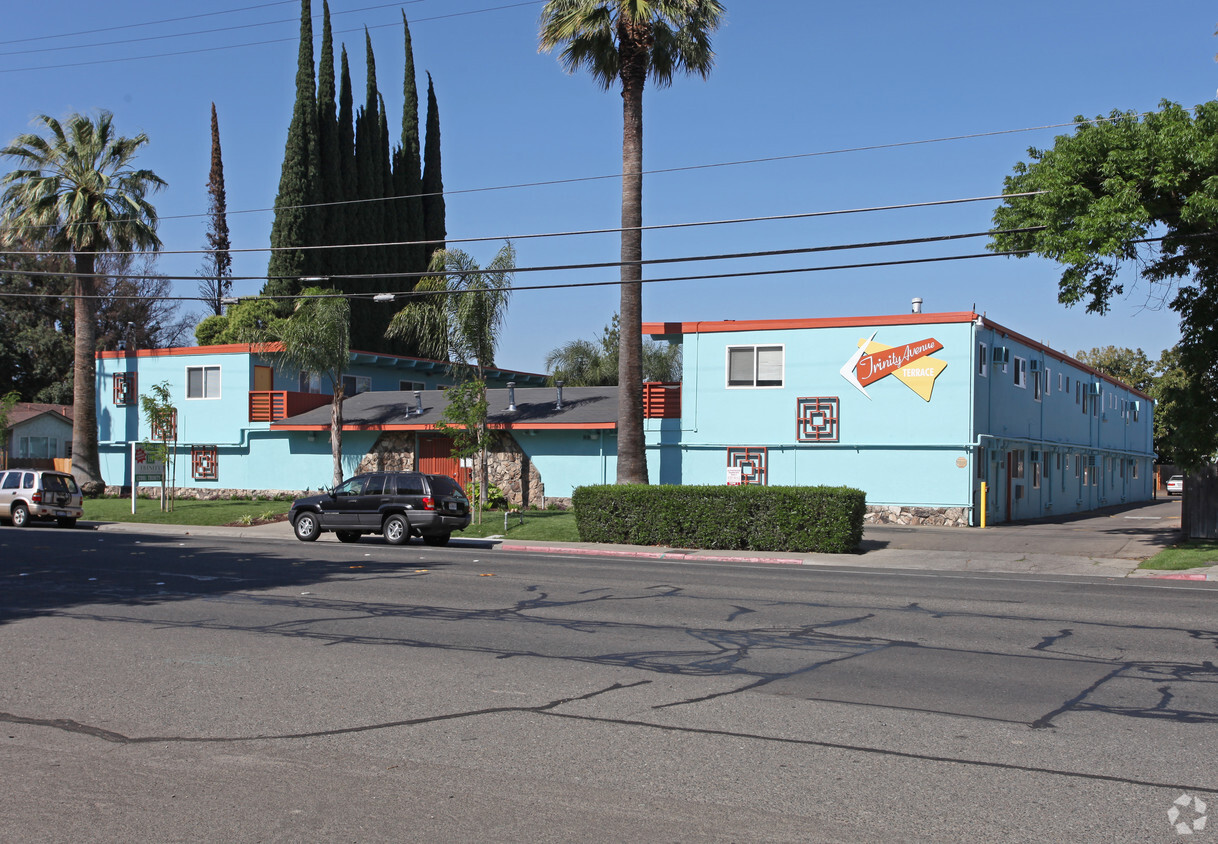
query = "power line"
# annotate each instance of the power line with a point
(599, 265)
(258, 43)
(409, 294)
(572, 233)
(198, 32)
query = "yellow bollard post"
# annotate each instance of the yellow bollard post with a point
(984, 490)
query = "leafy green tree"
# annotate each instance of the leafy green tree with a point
(7, 403)
(36, 355)
(1129, 366)
(316, 338)
(332, 218)
(75, 190)
(217, 281)
(162, 418)
(630, 41)
(248, 321)
(294, 225)
(1138, 191)
(456, 315)
(584, 363)
(465, 422)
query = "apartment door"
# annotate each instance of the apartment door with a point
(436, 458)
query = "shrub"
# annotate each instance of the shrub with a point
(495, 499)
(754, 518)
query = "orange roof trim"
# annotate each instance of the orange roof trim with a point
(710, 327)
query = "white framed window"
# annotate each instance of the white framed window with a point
(982, 360)
(353, 385)
(754, 366)
(1021, 373)
(1059, 383)
(1036, 386)
(202, 382)
(1036, 470)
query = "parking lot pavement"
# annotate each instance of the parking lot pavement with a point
(1104, 543)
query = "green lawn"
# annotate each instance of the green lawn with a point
(1186, 555)
(185, 512)
(541, 525)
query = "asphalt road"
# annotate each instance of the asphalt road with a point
(171, 688)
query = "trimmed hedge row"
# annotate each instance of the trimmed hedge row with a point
(819, 519)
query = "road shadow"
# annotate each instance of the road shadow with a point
(46, 569)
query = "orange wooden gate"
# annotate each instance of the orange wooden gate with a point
(436, 458)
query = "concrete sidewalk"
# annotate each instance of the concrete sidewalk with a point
(1107, 543)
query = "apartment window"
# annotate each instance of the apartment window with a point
(1036, 386)
(1017, 464)
(37, 448)
(1059, 383)
(309, 382)
(204, 463)
(1133, 466)
(1078, 392)
(1078, 462)
(1021, 373)
(1067, 383)
(411, 386)
(202, 382)
(982, 360)
(124, 389)
(1036, 470)
(353, 385)
(754, 366)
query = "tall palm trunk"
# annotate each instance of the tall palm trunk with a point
(336, 431)
(86, 466)
(631, 448)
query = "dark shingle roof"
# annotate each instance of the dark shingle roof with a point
(582, 407)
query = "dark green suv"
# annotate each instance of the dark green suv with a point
(396, 504)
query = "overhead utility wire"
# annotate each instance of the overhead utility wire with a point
(599, 265)
(117, 27)
(690, 167)
(572, 233)
(257, 43)
(197, 32)
(579, 284)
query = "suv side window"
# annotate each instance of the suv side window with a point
(376, 484)
(354, 486)
(12, 480)
(28, 483)
(443, 485)
(410, 484)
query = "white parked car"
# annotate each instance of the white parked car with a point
(1175, 485)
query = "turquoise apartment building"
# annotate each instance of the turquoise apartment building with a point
(918, 410)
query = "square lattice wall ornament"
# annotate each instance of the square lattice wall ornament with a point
(817, 419)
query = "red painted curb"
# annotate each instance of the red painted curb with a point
(653, 555)
(1179, 577)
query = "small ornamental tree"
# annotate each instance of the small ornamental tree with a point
(162, 419)
(464, 421)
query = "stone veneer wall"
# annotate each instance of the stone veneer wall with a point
(392, 452)
(209, 493)
(897, 515)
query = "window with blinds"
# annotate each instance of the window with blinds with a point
(754, 366)
(202, 382)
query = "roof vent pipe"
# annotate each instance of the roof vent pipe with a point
(559, 405)
(917, 304)
(418, 404)
(511, 395)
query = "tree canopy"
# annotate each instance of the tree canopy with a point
(76, 189)
(588, 363)
(1133, 191)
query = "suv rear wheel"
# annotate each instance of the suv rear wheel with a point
(20, 515)
(396, 530)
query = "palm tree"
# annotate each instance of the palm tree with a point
(76, 191)
(317, 338)
(456, 315)
(631, 40)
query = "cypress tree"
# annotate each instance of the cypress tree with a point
(433, 183)
(329, 216)
(294, 221)
(408, 181)
(217, 265)
(347, 261)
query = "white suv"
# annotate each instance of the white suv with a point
(39, 494)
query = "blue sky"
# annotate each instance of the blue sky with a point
(795, 81)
